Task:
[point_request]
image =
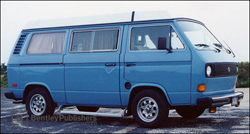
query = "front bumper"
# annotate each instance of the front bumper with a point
(219, 101)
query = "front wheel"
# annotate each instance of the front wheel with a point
(149, 108)
(39, 103)
(190, 112)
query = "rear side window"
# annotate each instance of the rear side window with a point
(102, 40)
(46, 43)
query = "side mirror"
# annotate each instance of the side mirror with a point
(162, 44)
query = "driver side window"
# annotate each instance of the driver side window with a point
(175, 41)
(146, 38)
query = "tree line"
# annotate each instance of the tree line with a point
(243, 74)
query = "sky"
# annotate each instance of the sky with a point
(228, 21)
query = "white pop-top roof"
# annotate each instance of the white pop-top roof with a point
(112, 18)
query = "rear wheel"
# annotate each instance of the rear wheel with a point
(87, 109)
(149, 108)
(190, 112)
(39, 103)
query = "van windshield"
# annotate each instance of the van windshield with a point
(199, 36)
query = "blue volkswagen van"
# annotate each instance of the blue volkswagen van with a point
(145, 67)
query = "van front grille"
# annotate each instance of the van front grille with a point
(226, 69)
(223, 69)
(20, 42)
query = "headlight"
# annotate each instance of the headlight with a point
(209, 70)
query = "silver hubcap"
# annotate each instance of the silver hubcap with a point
(37, 104)
(147, 109)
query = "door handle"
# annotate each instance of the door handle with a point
(130, 64)
(108, 64)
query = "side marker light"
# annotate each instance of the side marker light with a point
(14, 85)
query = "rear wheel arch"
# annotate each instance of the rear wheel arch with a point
(30, 87)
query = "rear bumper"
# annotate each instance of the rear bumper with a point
(218, 101)
(9, 95)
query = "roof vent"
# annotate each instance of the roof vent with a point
(20, 42)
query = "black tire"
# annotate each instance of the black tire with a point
(142, 99)
(87, 109)
(190, 112)
(42, 96)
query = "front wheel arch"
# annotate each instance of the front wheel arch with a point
(138, 89)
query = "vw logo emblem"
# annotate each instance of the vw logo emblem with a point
(228, 69)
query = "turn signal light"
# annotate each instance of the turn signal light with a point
(212, 110)
(237, 104)
(236, 83)
(201, 88)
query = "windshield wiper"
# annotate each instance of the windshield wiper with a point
(202, 45)
(205, 45)
(217, 49)
(218, 45)
(230, 51)
(221, 46)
